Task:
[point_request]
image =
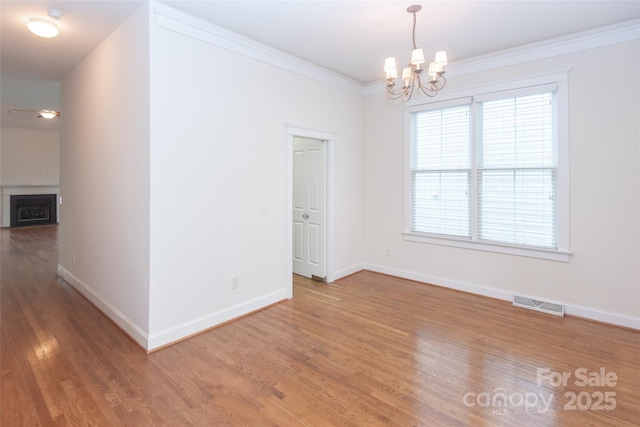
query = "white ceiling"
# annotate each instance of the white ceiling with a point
(351, 38)
(84, 25)
(27, 58)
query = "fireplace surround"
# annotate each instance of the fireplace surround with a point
(33, 209)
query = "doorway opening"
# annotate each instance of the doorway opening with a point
(310, 203)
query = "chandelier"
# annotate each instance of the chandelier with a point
(413, 79)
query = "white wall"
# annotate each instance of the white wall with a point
(29, 93)
(602, 279)
(29, 157)
(17, 91)
(178, 144)
(104, 179)
(218, 153)
(177, 160)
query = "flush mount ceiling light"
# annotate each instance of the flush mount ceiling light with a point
(412, 77)
(43, 27)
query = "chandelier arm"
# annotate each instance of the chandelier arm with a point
(395, 96)
(429, 89)
(439, 83)
(408, 90)
(434, 86)
(392, 95)
(443, 79)
(417, 83)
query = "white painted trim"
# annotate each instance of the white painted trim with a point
(329, 206)
(570, 309)
(478, 245)
(126, 324)
(558, 77)
(289, 209)
(529, 84)
(329, 139)
(175, 333)
(309, 133)
(185, 24)
(441, 281)
(208, 321)
(599, 37)
(590, 39)
(602, 316)
(348, 271)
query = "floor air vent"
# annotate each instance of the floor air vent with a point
(544, 306)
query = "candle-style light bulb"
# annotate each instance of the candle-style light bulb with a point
(390, 70)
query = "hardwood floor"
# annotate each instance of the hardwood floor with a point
(369, 350)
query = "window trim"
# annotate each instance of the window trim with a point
(465, 95)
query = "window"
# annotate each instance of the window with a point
(489, 172)
(440, 172)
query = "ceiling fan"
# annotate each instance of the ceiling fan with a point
(42, 114)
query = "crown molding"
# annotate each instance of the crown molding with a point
(577, 42)
(599, 37)
(188, 25)
(196, 28)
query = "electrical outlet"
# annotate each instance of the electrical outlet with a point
(387, 251)
(73, 259)
(235, 282)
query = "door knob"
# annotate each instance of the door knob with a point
(305, 216)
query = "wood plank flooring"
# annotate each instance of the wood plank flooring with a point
(369, 350)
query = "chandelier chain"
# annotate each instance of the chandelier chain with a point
(413, 33)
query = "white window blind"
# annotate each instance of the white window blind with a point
(487, 170)
(517, 171)
(440, 173)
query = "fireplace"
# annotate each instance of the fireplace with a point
(33, 209)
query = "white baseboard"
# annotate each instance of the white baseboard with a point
(195, 326)
(186, 329)
(344, 272)
(570, 309)
(440, 281)
(128, 326)
(602, 316)
(178, 332)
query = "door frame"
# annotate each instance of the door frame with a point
(329, 140)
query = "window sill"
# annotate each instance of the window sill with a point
(548, 254)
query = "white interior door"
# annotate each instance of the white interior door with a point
(309, 207)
